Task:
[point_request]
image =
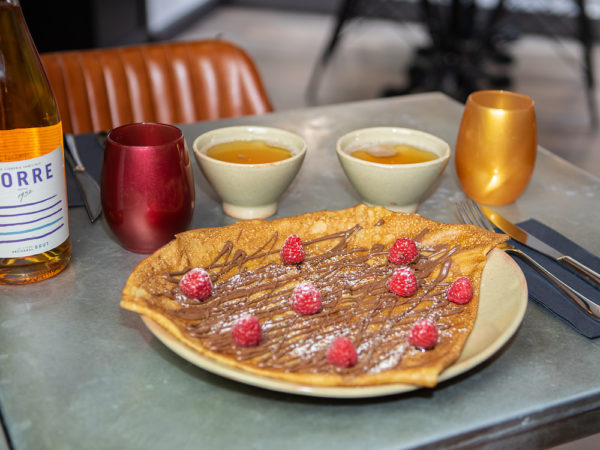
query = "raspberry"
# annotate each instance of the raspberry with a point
(404, 251)
(196, 284)
(403, 282)
(342, 353)
(423, 334)
(246, 332)
(460, 291)
(292, 251)
(306, 299)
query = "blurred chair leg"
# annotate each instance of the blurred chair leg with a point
(496, 35)
(347, 11)
(423, 73)
(587, 40)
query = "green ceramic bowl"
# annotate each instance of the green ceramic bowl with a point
(398, 187)
(250, 191)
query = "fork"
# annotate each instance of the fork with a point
(468, 212)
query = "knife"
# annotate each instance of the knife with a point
(89, 188)
(520, 235)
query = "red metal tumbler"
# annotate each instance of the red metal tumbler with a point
(147, 185)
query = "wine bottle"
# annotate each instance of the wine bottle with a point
(34, 228)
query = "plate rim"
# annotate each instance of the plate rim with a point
(459, 367)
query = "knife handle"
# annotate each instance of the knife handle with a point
(583, 302)
(580, 268)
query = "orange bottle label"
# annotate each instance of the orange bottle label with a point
(33, 201)
(25, 143)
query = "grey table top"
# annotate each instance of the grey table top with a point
(76, 371)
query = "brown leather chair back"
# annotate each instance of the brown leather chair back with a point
(175, 82)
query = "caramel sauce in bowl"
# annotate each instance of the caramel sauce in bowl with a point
(248, 152)
(393, 154)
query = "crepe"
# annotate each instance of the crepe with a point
(346, 259)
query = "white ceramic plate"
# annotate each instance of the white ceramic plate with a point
(501, 309)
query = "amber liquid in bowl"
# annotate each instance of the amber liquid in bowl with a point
(248, 152)
(393, 154)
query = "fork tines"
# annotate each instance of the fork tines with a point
(468, 212)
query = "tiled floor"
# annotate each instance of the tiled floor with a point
(373, 55)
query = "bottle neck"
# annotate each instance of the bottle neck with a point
(26, 99)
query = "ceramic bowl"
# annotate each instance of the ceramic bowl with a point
(250, 191)
(398, 187)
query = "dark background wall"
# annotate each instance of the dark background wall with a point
(80, 24)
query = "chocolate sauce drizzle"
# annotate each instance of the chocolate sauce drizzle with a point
(356, 304)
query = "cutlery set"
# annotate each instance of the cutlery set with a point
(470, 212)
(530, 241)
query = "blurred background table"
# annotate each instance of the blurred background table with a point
(77, 371)
(468, 42)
